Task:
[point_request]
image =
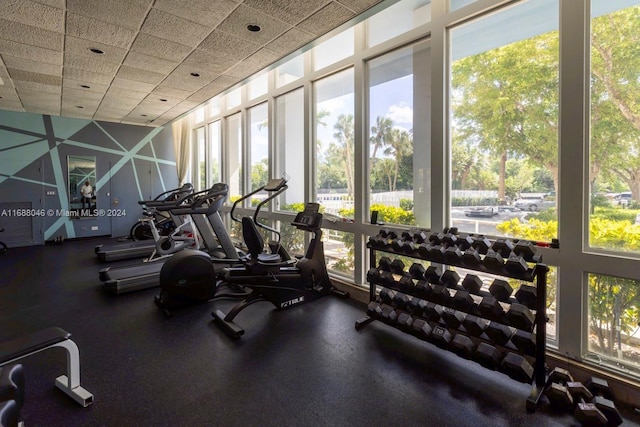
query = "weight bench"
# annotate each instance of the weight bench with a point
(25, 346)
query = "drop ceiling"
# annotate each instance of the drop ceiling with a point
(160, 58)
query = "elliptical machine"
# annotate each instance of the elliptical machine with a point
(274, 276)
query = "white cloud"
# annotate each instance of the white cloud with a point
(401, 113)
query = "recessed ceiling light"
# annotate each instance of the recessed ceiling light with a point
(96, 50)
(79, 106)
(85, 86)
(163, 100)
(195, 74)
(143, 115)
(254, 28)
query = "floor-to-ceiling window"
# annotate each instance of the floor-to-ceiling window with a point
(504, 122)
(290, 148)
(258, 145)
(200, 170)
(335, 174)
(214, 154)
(399, 143)
(614, 181)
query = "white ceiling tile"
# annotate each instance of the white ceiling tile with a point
(146, 62)
(34, 36)
(34, 14)
(98, 31)
(33, 66)
(30, 52)
(141, 87)
(128, 14)
(173, 28)
(95, 64)
(205, 12)
(45, 79)
(358, 6)
(228, 45)
(159, 48)
(289, 11)
(236, 23)
(290, 41)
(81, 47)
(86, 77)
(326, 19)
(150, 48)
(139, 75)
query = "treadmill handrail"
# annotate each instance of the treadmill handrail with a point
(211, 195)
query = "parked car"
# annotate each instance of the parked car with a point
(482, 211)
(624, 198)
(533, 202)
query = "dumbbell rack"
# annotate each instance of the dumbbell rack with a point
(421, 247)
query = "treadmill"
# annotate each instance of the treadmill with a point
(205, 214)
(144, 248)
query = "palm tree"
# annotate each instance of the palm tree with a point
(344, 139)
(380, 134)
(399, 145)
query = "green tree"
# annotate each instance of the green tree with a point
(506, 100)
(380, 134)
(615, 62)
(343, 145)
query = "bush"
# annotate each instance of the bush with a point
(406, 204)
(386, 214)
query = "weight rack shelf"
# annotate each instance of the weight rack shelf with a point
(497, 330)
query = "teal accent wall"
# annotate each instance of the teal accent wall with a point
(132, 163)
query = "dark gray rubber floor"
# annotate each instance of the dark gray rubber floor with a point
(306, 366)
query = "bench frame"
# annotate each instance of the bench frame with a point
(70, 383)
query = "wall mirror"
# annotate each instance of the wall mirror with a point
(82, 185)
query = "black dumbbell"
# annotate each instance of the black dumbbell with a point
(462, 300)
(464, 243)
(519, 316)
(404, 321)
(498, 333)
(449, 239)
(452, 255)
(420, 237)
(373, 309)
(527, 250)
(416, 306)
(436, 238)
(453, 318)
(422, 289)
(432, 312)
(440, 294)
(603, 400)
(416, 271)
(450, 279)
(501, 290)
(527, 295)
(487, 356)
(384, 263)
(440, 336)
(405, 284)
(472, 283)
(556, 389)
(516, 265)
(436, 253)
(433, 274)
(481, 244)
(373, 275)
(401, 300)
(12, 383)
(517, 367)
(491, 309)
(423, 250)
(524, 342)
(493, 261)
(397, 267)
(503, 246)
(386, 296)
(421, 329)
(463, 346)
(471, 258)
(474, 325)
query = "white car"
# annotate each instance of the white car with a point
(531, 203)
